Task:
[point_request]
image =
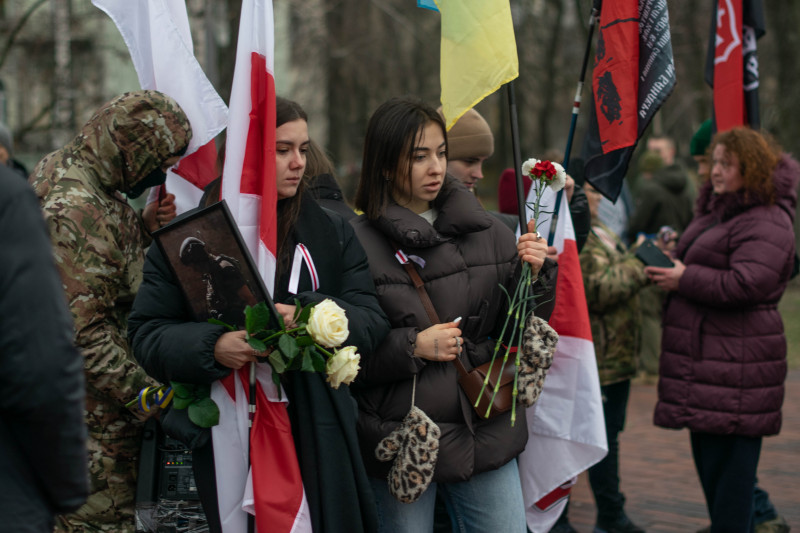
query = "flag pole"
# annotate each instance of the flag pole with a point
(512, 112)
(251, 519)
(576, 106)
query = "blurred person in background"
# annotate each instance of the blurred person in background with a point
(723, 359)
(765, 517)
(7, 153)
(612, 278)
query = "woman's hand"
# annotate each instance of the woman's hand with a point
(232, 350)
(287, 312)
(666, 278)
(441, 342)
(532, 248)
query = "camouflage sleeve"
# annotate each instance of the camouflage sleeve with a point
(99, 287)
(610, 277)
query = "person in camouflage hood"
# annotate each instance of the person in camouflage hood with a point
(99, 243)
(612, 278)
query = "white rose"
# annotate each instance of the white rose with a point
(560, 178)
(343, 366)
(327, 324)
(528, 165)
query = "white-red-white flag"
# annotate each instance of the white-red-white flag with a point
(566, 429)
(272, 487)
(160, 43)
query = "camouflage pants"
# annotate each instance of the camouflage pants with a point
(111, 503)
(652, 301)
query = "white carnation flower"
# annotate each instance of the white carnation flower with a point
(560, 178)
(528, 165)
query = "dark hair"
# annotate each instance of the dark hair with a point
(388, 148)
(317, 161)
(289, 208)
(758, 155)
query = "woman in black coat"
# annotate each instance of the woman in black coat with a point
(172, 347)
(463, 256)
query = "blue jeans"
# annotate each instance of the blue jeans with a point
(763, 510)
(491, 501)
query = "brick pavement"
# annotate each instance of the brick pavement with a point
(658, 476)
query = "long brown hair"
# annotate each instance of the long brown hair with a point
(758, 155)
(289, 208)
(388, 148)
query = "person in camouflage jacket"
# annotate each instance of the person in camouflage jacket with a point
(99, 243)
(612, 279)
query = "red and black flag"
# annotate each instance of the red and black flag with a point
(633, 75)
(732, 62)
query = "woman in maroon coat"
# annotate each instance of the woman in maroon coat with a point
(723, 360)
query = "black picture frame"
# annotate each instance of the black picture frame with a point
(214, 268)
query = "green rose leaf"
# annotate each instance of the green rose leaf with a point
(304, 314)
(221, 323)
(181, 403)
(257, 344)
(256, 318)
(276, 360)
(288, 346)
(276, 379)
(304, 341)
(298, 308)
(308, 361)
(318, 361)
(184, 395)
(204, 413)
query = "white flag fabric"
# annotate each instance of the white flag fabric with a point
(566, 428)
(272, 487)
(160, 43)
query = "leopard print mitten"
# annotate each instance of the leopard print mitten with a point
(414, 446)
(538, 344)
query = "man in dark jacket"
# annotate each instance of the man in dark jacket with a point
(666, 197)
(42, 435)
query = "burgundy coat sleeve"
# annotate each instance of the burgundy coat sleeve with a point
(755, 271)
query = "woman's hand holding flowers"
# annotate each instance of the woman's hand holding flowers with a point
(232, 350)
(288, 313)
(532, 248)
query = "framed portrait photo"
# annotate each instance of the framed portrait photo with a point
(213, 266)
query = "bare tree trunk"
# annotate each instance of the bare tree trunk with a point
(550, 79)
(63, 125)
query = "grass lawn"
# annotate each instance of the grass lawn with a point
(790, 311)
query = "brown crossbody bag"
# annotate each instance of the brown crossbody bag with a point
(472, 381)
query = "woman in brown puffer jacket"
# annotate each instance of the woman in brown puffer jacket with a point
(462, 255)
(723, 360)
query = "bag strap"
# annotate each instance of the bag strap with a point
(423, 295)
(418, 284)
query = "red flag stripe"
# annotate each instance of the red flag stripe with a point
(729, 110)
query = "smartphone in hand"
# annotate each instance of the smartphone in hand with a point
(649, 254)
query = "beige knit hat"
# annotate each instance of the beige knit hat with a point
(469, 137)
